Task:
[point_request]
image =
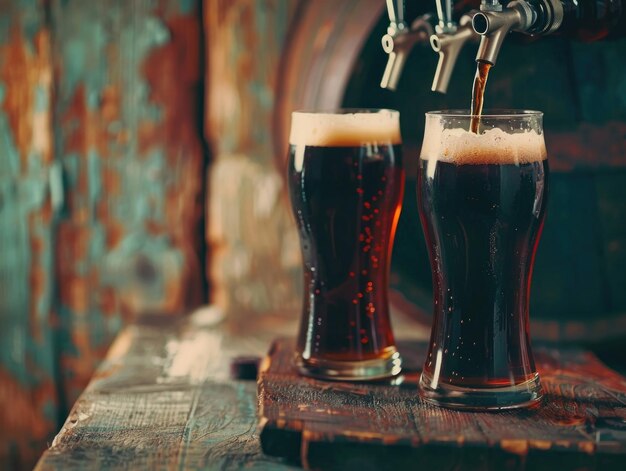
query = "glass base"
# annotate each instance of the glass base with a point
(520, 395)
(364, 370)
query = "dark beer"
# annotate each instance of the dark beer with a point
(346, 184)
(482, 204)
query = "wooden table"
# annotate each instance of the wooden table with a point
(168, 397)
(164, 398)
(580, 424)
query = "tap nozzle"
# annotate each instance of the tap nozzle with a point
(540, 17)
(398, 42)
(448, 46)
(493, 26)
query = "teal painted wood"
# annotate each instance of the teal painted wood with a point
(245, 42)
(127, 133)
(101, 193)
(28, 196)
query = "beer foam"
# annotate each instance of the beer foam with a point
(345, 130)
(493, 146)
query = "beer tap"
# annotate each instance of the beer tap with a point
(448, 41)
(399, 41)
(494, 22)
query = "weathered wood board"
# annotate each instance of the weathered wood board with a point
(164, 399)
(580, 425)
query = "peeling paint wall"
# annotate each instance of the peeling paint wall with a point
(28, 199)
(101, 192)
(128, 138)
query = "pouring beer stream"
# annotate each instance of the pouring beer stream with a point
(478, 94)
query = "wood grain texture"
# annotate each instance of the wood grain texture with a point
(128, 137)
(581, 423)
(163, 399)
(254, 265)
(29, 196)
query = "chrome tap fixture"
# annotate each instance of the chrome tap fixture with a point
(490, 5)
(491, 25)
(494, 22)
(444, 13)
(399, 41)
(447, 39)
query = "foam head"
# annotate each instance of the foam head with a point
(345, 129)
(493, 146)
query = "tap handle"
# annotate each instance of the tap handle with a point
(399, 46)
(444, 13)
(448, 46)
(393, 70)
(395, 10)
(494, 26)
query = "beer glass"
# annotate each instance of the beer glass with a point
(346, 183)
(482, 200)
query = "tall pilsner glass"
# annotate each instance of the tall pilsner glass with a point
(346, 183)
(482, 200)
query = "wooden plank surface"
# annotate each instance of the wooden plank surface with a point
(167, 397)
(164, 399)
(580, 425)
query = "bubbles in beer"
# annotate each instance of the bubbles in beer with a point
(347, 188)
(477, 202)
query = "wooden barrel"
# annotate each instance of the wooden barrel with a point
(334, 58)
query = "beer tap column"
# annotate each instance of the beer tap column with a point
(444, 12)
(494, 22)
(399, 41)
